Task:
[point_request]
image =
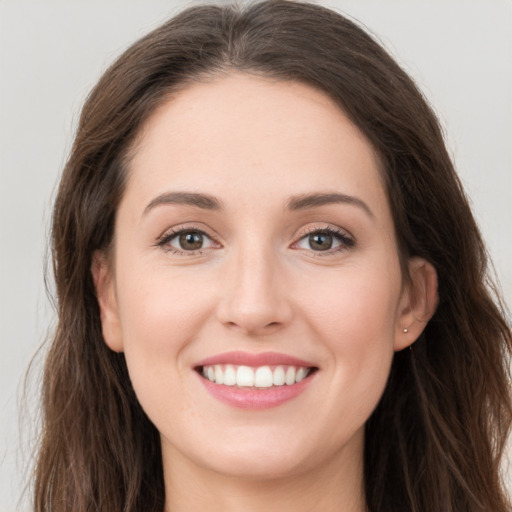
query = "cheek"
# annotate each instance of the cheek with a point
(356, 321)
(160, 316)
(355, 308)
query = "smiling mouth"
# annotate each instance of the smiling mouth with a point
(261, 377)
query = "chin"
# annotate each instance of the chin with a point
(265, 455)
(260, 466)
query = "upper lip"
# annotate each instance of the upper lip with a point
(254, 359)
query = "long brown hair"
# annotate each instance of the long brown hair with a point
(435, 441)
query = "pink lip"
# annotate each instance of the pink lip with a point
(251, 359)
(252, 398)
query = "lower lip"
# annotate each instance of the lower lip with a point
(254, 398)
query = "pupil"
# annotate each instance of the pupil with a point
(320, 241)
(191, 240)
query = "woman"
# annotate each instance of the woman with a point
(272, 292)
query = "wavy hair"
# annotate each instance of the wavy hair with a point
(436, 439)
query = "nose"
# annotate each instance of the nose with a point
(254, 296)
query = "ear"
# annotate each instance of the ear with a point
(107, 301)
(417, 304)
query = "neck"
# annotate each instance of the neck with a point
(337, 486)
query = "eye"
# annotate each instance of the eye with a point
(187, 240)
(324, 240)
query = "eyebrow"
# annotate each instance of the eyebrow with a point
(204, 201)
(300, 202)
(305, 201)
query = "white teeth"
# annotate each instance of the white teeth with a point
(278, 377)
(290, 376)
(301, 373)
(219, 375)
(245, 376)
(261, 377)
(229, 375)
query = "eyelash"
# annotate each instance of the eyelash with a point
(168, 236)
(346, 241)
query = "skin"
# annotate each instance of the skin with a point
(258, 285)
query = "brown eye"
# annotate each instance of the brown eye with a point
(187, 241)
(190, 240)
(328, 240)
(320, 241)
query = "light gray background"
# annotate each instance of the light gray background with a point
(52, 52)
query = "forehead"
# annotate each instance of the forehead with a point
(245, 133)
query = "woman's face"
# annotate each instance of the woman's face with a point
(255, 286)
